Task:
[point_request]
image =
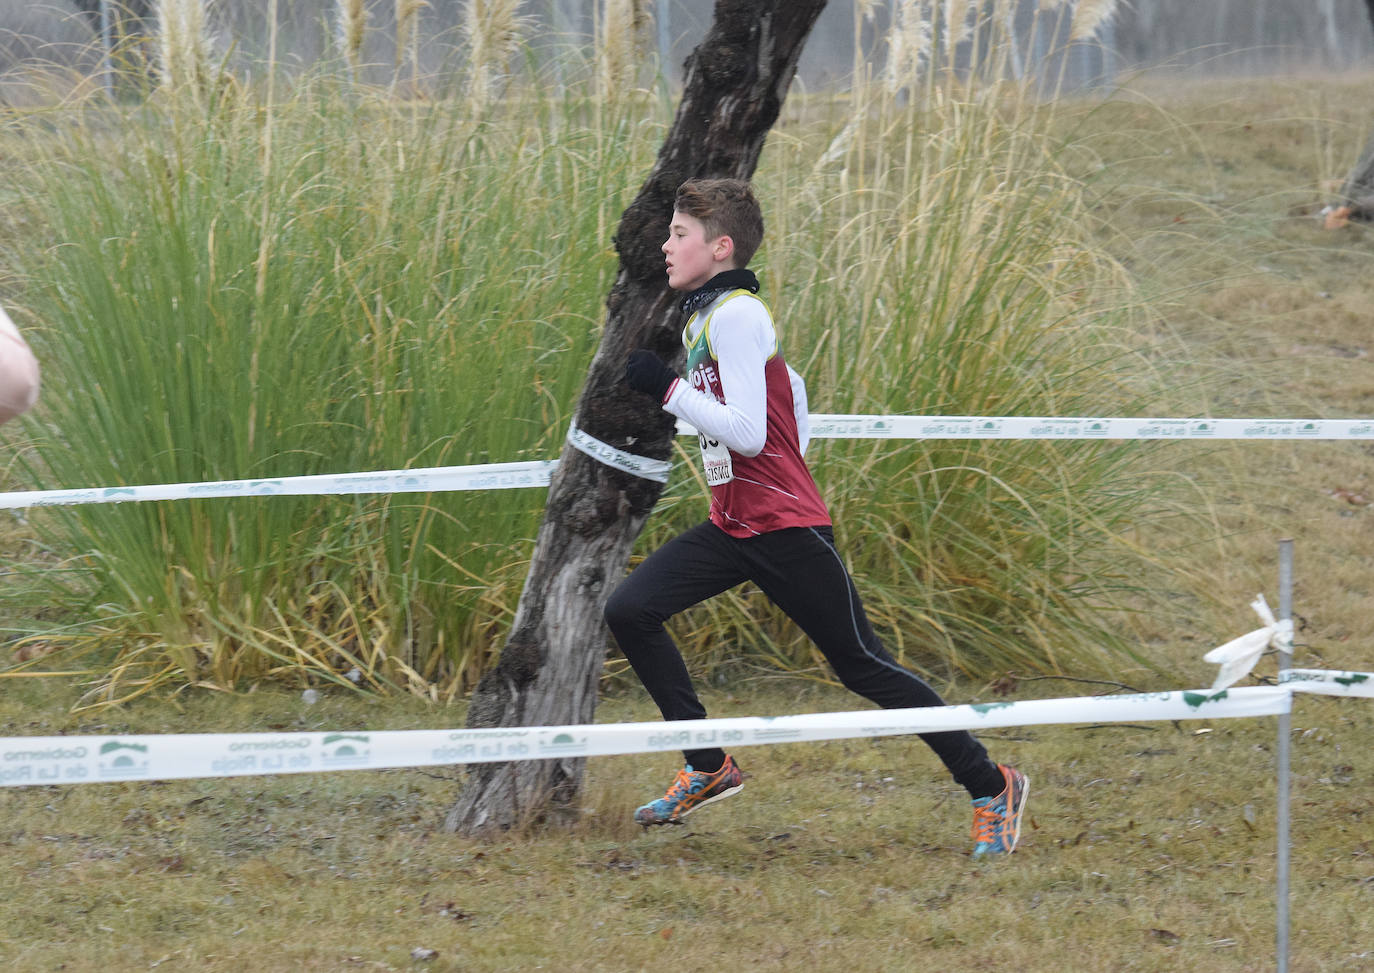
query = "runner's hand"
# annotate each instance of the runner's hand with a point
(645, 372)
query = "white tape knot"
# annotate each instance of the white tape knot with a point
(1238, 656)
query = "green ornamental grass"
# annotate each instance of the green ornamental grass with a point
(232, 286)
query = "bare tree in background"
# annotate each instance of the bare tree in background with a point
(548, 671)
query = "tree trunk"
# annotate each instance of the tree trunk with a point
(548, 671)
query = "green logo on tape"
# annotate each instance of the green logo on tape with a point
(1195, 700)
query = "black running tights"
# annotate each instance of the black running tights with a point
(800, 570)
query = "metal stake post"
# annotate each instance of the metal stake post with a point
(1285, 739)
(107, 39)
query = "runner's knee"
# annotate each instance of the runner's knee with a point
(622, 611)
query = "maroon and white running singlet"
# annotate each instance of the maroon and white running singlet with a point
(749, 409)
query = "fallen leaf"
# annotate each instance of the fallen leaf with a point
(1353, 497)
(34, 650)
(1005, 685)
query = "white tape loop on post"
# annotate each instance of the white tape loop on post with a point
(641, 466)
(1238, 656)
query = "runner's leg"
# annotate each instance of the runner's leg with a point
(803, 574)
(688, 569)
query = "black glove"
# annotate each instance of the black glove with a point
(645, 372)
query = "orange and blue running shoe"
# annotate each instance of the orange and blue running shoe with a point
(692, 789)
(997, 820)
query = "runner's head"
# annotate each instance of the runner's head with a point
(717, 226)
(726, 208)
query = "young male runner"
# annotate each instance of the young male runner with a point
(768, 523)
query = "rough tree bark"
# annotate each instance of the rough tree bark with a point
(547, 674)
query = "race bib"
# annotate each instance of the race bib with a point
(715, 458)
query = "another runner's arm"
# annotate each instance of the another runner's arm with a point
(743, 339)
(18, 371)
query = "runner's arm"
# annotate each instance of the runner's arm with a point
(742, 340)
(18, 371)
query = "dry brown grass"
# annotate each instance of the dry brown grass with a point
(1211, 194)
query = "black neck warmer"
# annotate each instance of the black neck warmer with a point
(728, 280)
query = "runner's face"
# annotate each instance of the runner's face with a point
(692, 259)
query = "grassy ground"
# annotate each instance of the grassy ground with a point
(1212, 198)
(1148, 847)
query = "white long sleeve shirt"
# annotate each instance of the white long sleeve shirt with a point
(743, 339)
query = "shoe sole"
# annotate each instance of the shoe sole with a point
(695, 807)
(1020, 806)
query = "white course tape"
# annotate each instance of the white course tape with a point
(1021, 427)
(1328, 682)
(27, 761)
(508, 476)
(490, 476)
(641, 466)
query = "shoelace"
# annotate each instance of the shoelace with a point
(682, 786)
(986, 820)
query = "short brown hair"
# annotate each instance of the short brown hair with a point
(726, 207)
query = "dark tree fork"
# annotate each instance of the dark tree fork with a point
(547, 674)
